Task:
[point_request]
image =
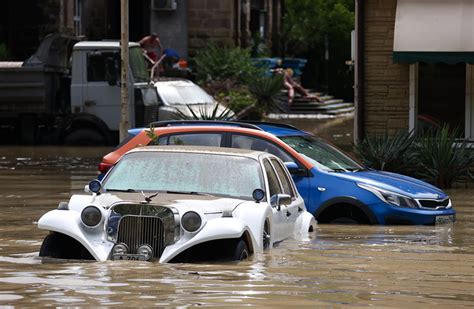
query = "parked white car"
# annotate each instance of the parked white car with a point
(179, 203)
(182, 96)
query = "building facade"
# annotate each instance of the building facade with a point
(413, 66)
(183, 25)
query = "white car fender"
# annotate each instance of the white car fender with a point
(255, 215)
(304, 223)
(225, 228)
(69, 223)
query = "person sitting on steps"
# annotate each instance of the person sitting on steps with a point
(291, 85)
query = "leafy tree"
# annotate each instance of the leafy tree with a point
(307, 25)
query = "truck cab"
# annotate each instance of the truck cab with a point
(68, 92)
(95, 87)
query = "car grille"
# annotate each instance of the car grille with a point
(144, 114)
(434, 204)
(135, 231)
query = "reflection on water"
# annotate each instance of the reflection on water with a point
(335, 265)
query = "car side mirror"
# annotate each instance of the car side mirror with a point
(280, 199)
(294, 169)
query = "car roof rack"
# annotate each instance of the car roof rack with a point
(170, 123)
(281, 125)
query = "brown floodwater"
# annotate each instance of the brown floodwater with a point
(333, 266)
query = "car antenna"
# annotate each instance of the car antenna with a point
(148, 198)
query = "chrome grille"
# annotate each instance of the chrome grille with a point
(434, 204)
(135, 231)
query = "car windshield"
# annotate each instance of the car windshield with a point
(183, 93)
(324, 156)
(138, 65)
(186, 172)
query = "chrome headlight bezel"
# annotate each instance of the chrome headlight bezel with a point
(96, 222)
(191, 221)
(391, 198)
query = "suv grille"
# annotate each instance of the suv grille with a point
(135, 231)
(433, 204)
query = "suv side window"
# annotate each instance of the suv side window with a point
(192, 139)
(273, 184)
(285, 181)
(255, 143)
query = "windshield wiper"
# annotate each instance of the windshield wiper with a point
(189, 192)
(121, 190)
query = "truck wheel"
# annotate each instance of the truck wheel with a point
(241, 251)
(85, 137)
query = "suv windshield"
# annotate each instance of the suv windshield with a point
(138, 65)
(324, 156)
(215, 174)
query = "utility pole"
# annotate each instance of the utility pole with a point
(124, 61)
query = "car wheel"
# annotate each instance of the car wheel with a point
(266, 236)
(50, 246)
(344, 220)
(241, 251)
(85, 137)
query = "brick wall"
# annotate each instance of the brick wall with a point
(211, 20)
(386, 84)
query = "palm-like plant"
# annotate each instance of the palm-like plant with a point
(204, 113)
(442, 156)
(265, 89)
(387, 153)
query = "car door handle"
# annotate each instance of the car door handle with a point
(90, 103)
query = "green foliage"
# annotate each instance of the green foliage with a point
(387, 153)
(203, 113)
(442, 157)
(258, 46)
(236, 99)
(438, 156)
(307, 22)
(4, 54)
(265, 89)
(306, 26)
(219, 63)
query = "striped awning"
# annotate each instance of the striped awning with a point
(434, 31)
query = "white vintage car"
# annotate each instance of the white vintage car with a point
(179, 204)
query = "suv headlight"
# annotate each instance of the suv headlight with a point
(390, 197)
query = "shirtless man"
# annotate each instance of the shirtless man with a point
(291, 85)
(150, 44)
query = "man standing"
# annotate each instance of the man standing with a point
(150, 44)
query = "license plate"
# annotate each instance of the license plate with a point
(444, 219)
(128, 257)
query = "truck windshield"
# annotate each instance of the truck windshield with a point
(323, 156)
(138, 65)
(198, 173)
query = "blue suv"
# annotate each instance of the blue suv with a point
(336, 188)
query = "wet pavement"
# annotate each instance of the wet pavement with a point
(333, 266)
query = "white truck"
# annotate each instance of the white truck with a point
(68, 92)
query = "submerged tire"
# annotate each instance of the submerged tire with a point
(85, 137)
(345, 220)
(60, 246)
(241, 251)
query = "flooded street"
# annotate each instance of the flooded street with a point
(334, 266)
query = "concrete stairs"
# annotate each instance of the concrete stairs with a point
(329, 106)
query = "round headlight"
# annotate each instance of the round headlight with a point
(191, 221)
(146, 251)
(120, 248)
(91, 216)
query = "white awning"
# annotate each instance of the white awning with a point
(434, 31)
